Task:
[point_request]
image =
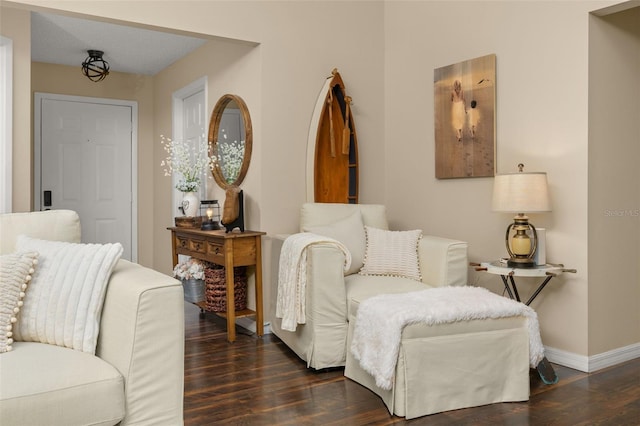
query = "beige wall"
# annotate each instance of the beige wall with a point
(299, 44)
(230, 67)
(386, 53)
(67, 80)
(16, 25)
(542, 98)
(279, 80)
(614, 181)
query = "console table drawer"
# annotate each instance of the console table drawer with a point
(198, 246)
(215, 251)
(182, 242)
(192, 245)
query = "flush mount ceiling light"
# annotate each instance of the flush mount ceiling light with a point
(94, 67)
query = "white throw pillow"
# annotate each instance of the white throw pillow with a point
(350, 232)
(16, 271)
(393, 253)
(65, 298)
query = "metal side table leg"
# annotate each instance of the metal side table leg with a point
(546, 372)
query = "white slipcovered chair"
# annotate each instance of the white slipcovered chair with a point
(441, 367)
(321, 341)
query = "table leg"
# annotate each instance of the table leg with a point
(546, 372)
(174, 251)
(231, 304)
(506, 286)
(515, 289)
(259, 312)
(533, 296)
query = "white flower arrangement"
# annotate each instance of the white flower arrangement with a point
(191, 269)
(184, 185)
(187, 160)
(230, 158)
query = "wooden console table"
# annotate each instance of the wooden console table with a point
(229, 250)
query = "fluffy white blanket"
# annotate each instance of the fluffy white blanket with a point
(381, 319)
(292, 276)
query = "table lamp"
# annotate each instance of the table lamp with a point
(521, 193)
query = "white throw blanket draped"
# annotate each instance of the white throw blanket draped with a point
(381, 319)
(292, 276)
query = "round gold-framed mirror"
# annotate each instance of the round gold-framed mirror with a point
(231, 139)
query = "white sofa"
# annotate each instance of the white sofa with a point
(136, 375)
(439, 367)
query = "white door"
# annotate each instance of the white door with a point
(190, 124)
(85, 154)
(195, 122)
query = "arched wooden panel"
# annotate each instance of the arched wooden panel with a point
(332, 150)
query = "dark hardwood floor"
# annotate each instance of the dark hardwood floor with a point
(259, 381)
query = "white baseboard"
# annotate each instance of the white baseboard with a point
(250, 324)
(616, 356)
(568, 359)
(589, 364)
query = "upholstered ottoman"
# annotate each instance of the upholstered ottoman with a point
(443, 365)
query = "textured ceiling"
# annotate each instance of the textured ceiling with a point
(64, 40)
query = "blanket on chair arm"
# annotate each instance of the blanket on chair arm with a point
(292, 276)
(381, 319)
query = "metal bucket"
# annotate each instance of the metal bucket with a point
(193, 290)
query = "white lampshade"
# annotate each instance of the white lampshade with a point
(521, 193)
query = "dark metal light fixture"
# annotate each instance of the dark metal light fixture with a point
(94, 67)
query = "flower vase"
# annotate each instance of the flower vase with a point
(190, 203)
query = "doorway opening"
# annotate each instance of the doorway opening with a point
(189, 117)
(6, 123)
(85, 159)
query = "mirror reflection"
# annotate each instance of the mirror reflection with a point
(231, 140)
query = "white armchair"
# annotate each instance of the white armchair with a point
(439, 366)
(321, 340)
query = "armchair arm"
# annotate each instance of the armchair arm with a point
(142, 335)
(326, 293)
(321, 340)
(443, 261)
(326, 290)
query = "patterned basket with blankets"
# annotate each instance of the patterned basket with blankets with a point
(216, 288)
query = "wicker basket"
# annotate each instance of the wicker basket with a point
(216, 289)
